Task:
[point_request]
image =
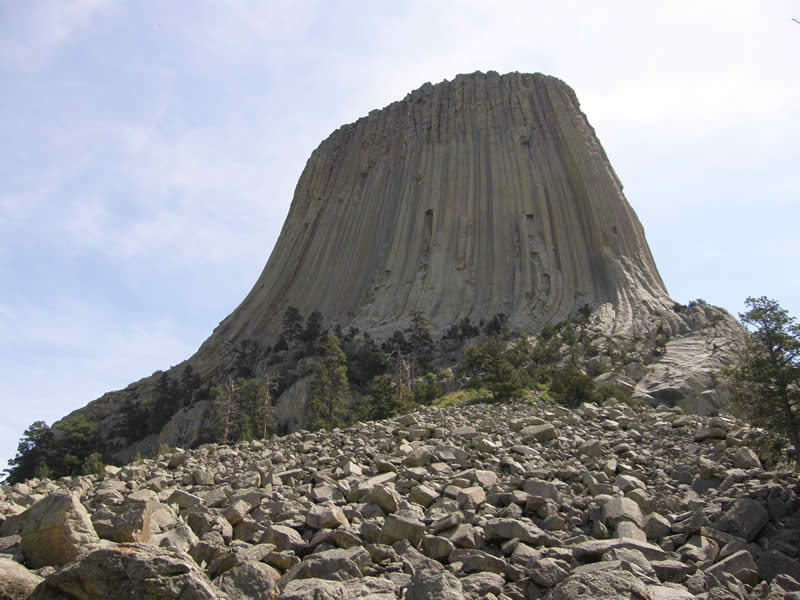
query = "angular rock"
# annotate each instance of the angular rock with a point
(16, 582)
(745, 458)
(248, 581)
(547, 572)
(326, 517)
(55, 530)
(739, 564)
(402, 526)
(128, 571)
(602, 585)
(478, 585)
(507, 529)
(746, 518)
(622, 509)
(538, 433)
(313, 589)
(437, 547)
(427, 584)
(336, 564)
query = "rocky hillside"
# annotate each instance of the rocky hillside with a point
(489, 501)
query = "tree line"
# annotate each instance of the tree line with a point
(395, 376)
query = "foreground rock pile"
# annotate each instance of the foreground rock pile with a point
(484, 501)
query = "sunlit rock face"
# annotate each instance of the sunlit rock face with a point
(481, 195)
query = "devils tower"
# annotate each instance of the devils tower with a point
(481, 195)
(469, 198)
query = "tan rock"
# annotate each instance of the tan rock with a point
(56, 530)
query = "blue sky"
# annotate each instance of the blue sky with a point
(150, 152)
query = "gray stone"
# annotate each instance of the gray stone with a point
(326, 517)
(547, 572)
(745, 458)
(622, 509)
(402, 526)
(55, 530)
(601, 585)
(506, 529)
(656, 526)
(248, 581)
(336, 564)
(384, 496)
(478, 585)
(283, 538)
(129, 523)
(739, 564)
(746, 518)
(773, 564)
(437, 547)
(538, 433)
(128, 571)
(427, 584)
(422, 495)
(313, 589)
(16, 582)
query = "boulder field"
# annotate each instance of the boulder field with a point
(492, 502)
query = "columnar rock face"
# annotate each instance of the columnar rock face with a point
(481, 195)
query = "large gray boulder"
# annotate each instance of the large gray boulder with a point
(746, 518)
(601, 585)
(248, 580)
(55, 530)
(128, 572)
(434, 583)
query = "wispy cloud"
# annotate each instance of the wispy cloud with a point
(35, 30)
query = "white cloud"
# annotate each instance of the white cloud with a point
(36, 29)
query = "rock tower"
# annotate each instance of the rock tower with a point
(481, 195)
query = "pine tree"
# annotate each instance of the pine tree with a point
(767, 376)
(329, 386)
(32, 453)
(313, 327)
(292, 324)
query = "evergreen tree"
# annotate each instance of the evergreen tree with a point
(32, 453)
(166, 402)
(466, 329)
(384, 399)
(313, 327)
(498, 326)
(75, 438)
(487, 366)
(135, 419)
(292, 324)
(767, 376)
(329, 386)
(420, 341)
(190, 381)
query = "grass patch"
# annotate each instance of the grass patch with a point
(459, 397)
